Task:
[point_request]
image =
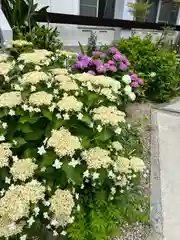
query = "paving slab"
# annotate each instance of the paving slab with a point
(165, 174)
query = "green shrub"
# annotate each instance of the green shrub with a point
(157, 65)
(42, 37)
(69, 161)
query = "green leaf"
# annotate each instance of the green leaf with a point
(18, 142)
(86, 118)
(48, 158)
(76, 174)
(19, 111)
(3, 112)
(81, 47)
(104, 135)
(32, 136)
(57, 123)
(25, 128)
(85, 142)
(28, 119)
(30, 153)
(47, 114)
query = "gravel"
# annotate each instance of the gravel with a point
(140, 113)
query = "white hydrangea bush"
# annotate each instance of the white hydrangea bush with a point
(64, 141)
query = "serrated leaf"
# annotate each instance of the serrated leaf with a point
(18, 142)
(104, 135)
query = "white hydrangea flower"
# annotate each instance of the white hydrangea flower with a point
(74, 162)
(117, 146)
(108, 115)
(122, 165)
(10, 99)
(126, 79)
(137, 164)
(95, 175)
(128, 89)
(2, 138)
(97, 158)
(132, 96)
(4, 125)
(12, 112)
(63, 142)
(80, 116)
(57, 164)
(41, 150)
(99, 128)
(40, 98)
(69, 103)
(30, 221)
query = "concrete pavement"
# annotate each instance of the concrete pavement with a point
(165, 172)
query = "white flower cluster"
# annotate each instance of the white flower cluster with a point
(101, 84)
(108, 115)
(97, 158)
(21, 43)
(40, 98)
(59, 71)
(66, 83)
(125, 165)
(5, 153)
(5, 67)
(63, 142)
(10, 99)
(4, 57)
(62, 204)
(37, 57)
(23, 169)
(15, 205)
(69, 103)
(34, 77)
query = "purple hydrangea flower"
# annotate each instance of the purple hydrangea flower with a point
(101, 69)
(106, 65)
(96, 53)
(97, 62)
(113, 50)
(80, 56)
(127, 62)
(103, 55)
(123, 66)
(140, 81)
(113, 68)
(134, 77)
(134, 84)
(119, 57)
(111, 62)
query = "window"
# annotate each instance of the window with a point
(163, 11)
(97, 8)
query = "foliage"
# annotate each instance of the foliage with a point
(139, 9)
(92, 42)
(69, 161)
(156, 64)
(22, 13)
(41, 37)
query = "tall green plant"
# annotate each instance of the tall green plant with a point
(22, 12)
